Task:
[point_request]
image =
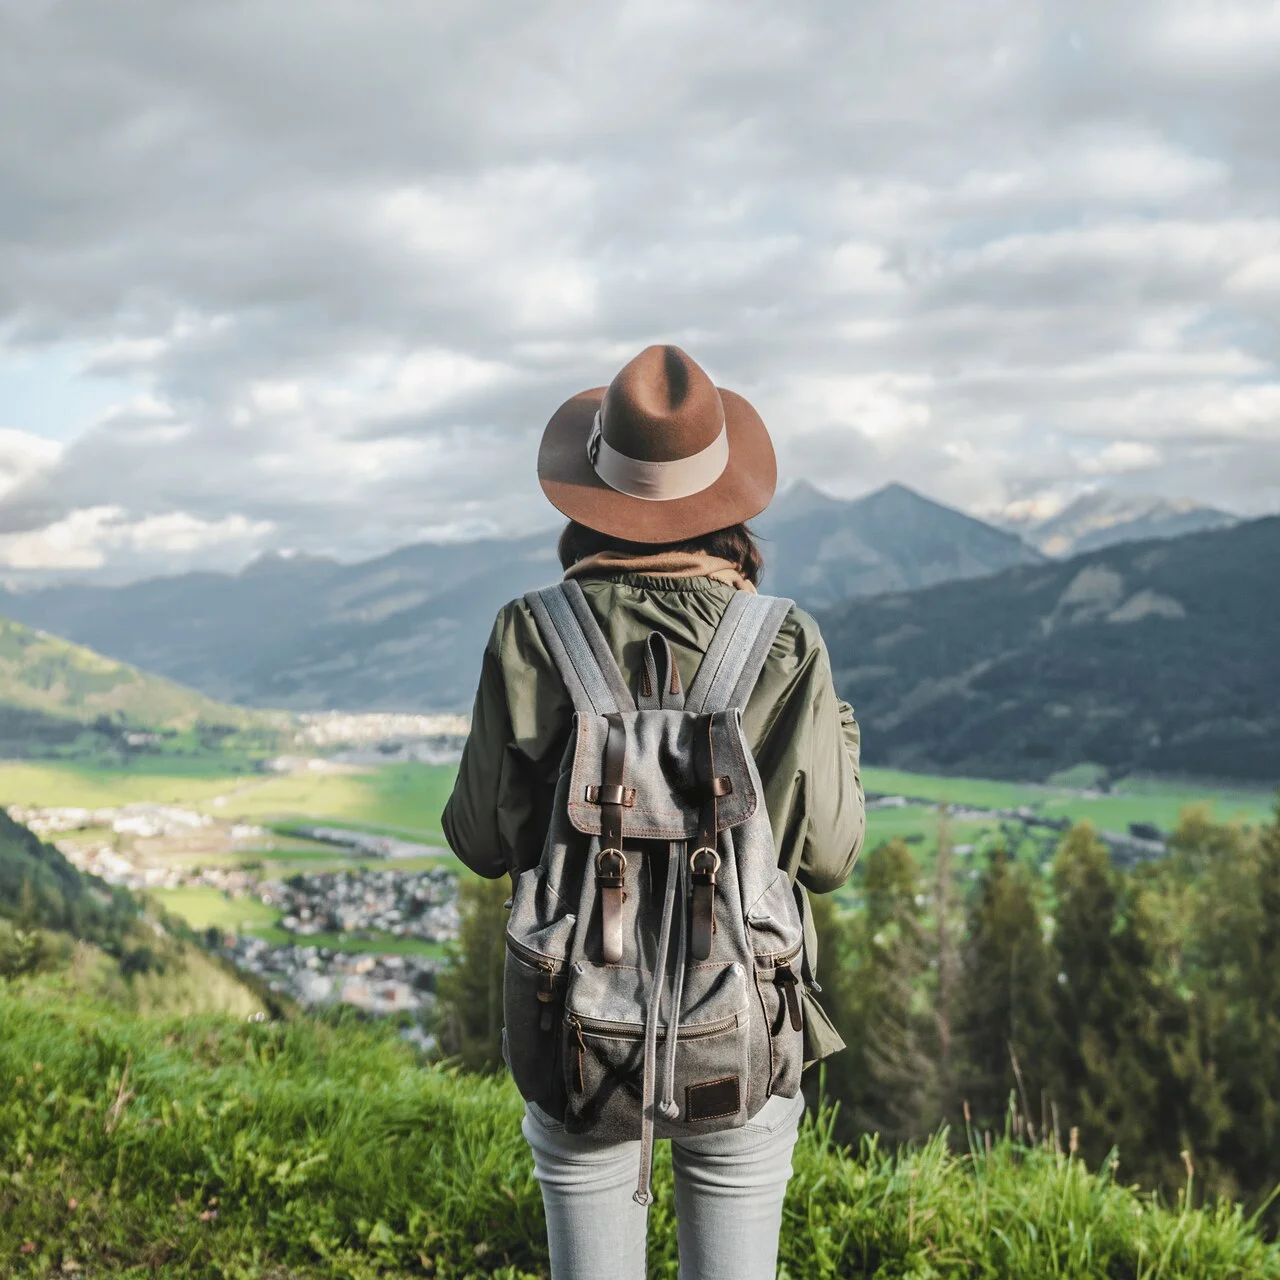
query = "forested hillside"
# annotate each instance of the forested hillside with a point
(1159, 656)
(57, 697)
(80, 935)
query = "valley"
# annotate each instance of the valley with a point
(233, 853)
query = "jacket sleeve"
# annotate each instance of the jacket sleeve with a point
(471, 816)
(835, 807)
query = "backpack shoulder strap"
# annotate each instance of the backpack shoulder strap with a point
(581, 653)
(737, 652)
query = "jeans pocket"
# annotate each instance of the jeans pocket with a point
(777, 1113)
(542, 1119)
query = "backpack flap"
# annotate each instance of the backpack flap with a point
(660, 770)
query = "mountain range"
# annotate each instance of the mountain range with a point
(404, 631)
(983, 657)
(1160, 656)
(1107, 517)
(819, 550)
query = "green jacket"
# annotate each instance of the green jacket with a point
(805, 740)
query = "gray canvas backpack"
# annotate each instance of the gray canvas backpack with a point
(653, 954)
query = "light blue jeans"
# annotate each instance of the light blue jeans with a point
(729, 1190)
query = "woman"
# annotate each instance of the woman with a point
(658, 474)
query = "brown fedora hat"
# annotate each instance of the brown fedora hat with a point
(660, 455)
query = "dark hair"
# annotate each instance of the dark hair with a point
(737, 544)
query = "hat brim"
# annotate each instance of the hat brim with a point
(744, 488)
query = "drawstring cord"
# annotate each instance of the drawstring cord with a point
(667, 1107)
(675, 859)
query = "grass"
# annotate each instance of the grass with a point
(202, 905)
(213, 1147)
(398, 799)
(46, 784)
(373, 940)
(1134, 800)
(406, 799)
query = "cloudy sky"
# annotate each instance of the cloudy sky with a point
(313, 274)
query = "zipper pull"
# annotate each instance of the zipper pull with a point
(547, 984)
(581, 1049)
(786, 979)
(546, 995)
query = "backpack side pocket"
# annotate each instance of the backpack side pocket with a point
(777, 938)
(533, 989)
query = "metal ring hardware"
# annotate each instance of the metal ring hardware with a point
(617, 853)
(697, 853)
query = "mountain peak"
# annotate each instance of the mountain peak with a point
(802, 498)
(1105, 516)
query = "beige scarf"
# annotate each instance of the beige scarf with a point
(666, 564)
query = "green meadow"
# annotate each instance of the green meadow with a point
(405, 800)
(202, 906)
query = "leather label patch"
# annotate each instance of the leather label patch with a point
(712, 1100)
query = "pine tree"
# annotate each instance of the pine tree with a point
(1238, 966)
(24, 949)
(900, 1044)
(946, 965)
(842, 967)
(1005, 1017)
(469, 991)
(1132, 1063)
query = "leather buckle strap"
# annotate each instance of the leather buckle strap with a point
(611, 793)
(704, 862)
(611, 862)
(611, 868)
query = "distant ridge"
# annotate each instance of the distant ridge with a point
(405, 631)
(1159, 656)
(1107, 517)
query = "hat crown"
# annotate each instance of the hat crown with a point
(661, 407)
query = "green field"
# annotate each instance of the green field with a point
(201, 906)
(406, 800)
(1133, 800)
(386, 944)
(399, 799)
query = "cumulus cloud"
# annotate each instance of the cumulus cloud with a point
(87, 537)
(345, 260)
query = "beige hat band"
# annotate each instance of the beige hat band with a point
(657, 481)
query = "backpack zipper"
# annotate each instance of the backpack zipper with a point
(632, 1031)
(578, 1027)
(535, 958)
(780, 958)
(549, 974)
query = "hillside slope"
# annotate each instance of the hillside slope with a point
(404, 632)
(239, 1148)
(51, 690)
(84, 936)
(1160, 656)
(43, 673)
